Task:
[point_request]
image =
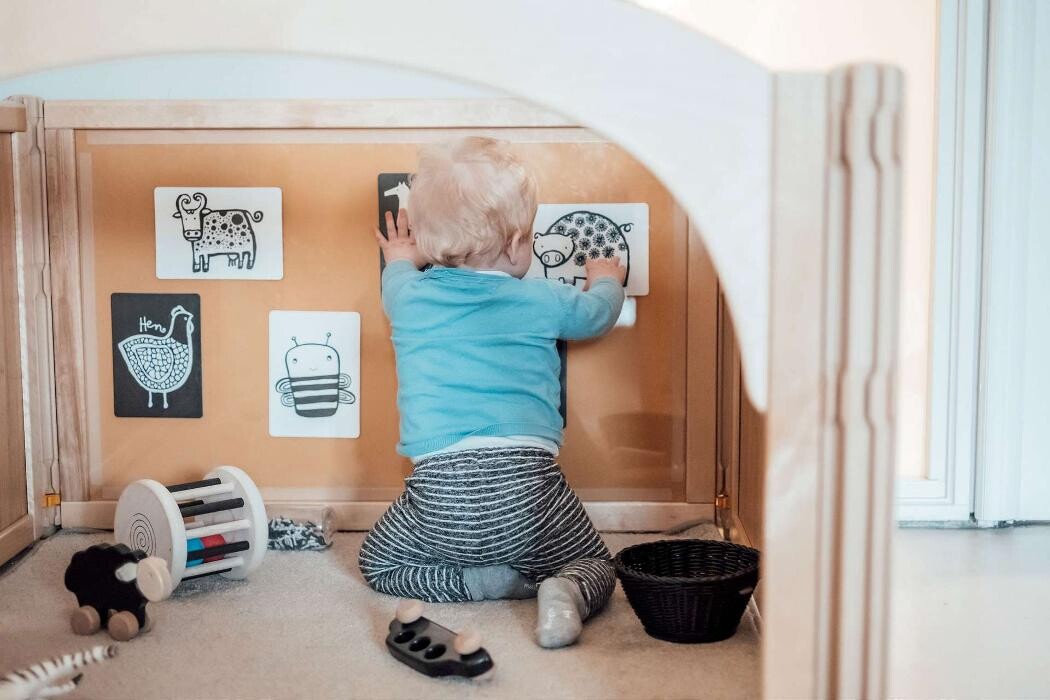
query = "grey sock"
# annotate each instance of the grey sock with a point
(560, 610)
(497, 582)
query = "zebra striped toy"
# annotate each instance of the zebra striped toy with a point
(55, 676)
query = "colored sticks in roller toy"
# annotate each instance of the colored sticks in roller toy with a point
(216, 525)
(200, 550)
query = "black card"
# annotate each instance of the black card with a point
(563, 355)
(156, 355)
(394, 190)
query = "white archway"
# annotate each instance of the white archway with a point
(695, 112)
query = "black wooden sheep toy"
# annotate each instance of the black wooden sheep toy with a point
(113, 583)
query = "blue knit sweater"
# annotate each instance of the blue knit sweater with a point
(476, 352)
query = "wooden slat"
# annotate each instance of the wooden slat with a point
(13, 500)
(70, 380)
(12, 116)
(794, 652)
(607, 516)
(38, 374)
(15, 537)
(833, 354)
(749, 489)
(886, 148)
(728, 389)
(296, 114)
(862, 411)
(701, 373)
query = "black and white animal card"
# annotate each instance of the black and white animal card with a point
(156, 355)
(315, 374)
(395, 189)
(566, 236)
(219, 233)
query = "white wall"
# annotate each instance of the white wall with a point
(236, 76)
(809, 35)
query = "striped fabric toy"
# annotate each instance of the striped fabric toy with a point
(55, 676)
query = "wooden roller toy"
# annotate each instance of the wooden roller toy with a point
(434, 650)
(216, 525)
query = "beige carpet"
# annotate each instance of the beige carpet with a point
(306, 626)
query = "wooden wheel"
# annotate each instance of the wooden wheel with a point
(123, 626)
(85, 620)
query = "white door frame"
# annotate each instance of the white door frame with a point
(1015, 130)
(946, 494)
(985, 154)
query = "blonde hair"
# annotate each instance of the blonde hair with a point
(470, 198)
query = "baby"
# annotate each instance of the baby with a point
(486, 513)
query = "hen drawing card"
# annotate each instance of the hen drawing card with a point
(156, 355)
(315, 374)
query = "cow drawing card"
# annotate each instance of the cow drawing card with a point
(156, 355)
(219, 232)
(315, 374)
(566, 236)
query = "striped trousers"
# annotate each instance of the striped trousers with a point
(483, 507)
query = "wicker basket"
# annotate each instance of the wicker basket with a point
(688, 590)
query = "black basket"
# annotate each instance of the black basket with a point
(688, 590)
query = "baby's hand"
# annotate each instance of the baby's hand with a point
(399, 244)
(604, 267)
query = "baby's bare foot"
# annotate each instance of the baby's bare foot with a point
(497, 582)
(560, 608)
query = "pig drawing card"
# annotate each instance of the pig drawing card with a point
(219, 233)
(566, 236)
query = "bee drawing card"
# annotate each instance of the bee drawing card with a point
(566, 236)
(219, 233)
(156, 355)
(315, 374)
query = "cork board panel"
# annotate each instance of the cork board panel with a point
(626, 419)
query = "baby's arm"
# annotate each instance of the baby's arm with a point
(593, 312)
(403, 258)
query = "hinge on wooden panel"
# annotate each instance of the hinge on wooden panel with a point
(723, 519)
(52, 500)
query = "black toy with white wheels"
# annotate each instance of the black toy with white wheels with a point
(434, 650)
(216, 525)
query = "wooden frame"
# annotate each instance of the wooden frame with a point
(825, 578)
(16, 519)
(105, 122)
(829, 448)
(299, 114)
(35, 308)
(12, 117)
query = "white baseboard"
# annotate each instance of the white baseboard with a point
(915, 513)
(930, 500)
